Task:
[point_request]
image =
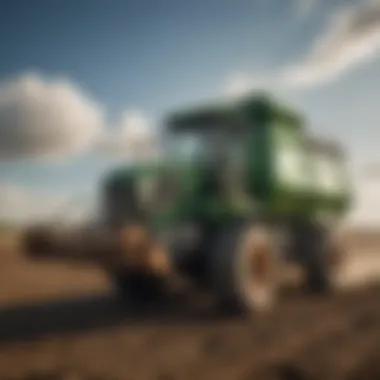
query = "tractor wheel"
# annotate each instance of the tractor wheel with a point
(324, 263)
(139, 288)
(244, 269)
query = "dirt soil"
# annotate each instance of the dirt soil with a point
(60, 322)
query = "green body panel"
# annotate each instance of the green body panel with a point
(283, 170)
(335, 196)
(281, 173)
(191, 204)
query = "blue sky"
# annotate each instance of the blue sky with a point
(149, 56)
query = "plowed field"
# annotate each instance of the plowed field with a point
(59, 322)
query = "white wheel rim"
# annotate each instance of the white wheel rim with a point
(256, 294)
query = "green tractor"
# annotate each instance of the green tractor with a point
(241, 190)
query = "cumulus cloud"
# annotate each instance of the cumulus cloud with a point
(134, 138)
(351, 38)
(41, 118)
(50, 119)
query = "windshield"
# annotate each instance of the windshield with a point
(194, 144)
(157, 191)
(186, 146)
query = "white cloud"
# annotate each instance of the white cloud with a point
(351, 38)
(134, 139)
(52, 119)
(42, 118)
(20, 205)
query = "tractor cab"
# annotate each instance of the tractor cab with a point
(212, 142)
(205, 135)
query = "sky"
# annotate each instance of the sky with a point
(80, 80)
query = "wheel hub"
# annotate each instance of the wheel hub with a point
(260, 265)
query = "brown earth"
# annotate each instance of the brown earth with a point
(62, 322)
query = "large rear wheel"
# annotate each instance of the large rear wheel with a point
(244, 268)
(322, 254)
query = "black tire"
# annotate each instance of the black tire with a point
(318, 279)
(321, 267)
(139, 288)
(238, 289)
